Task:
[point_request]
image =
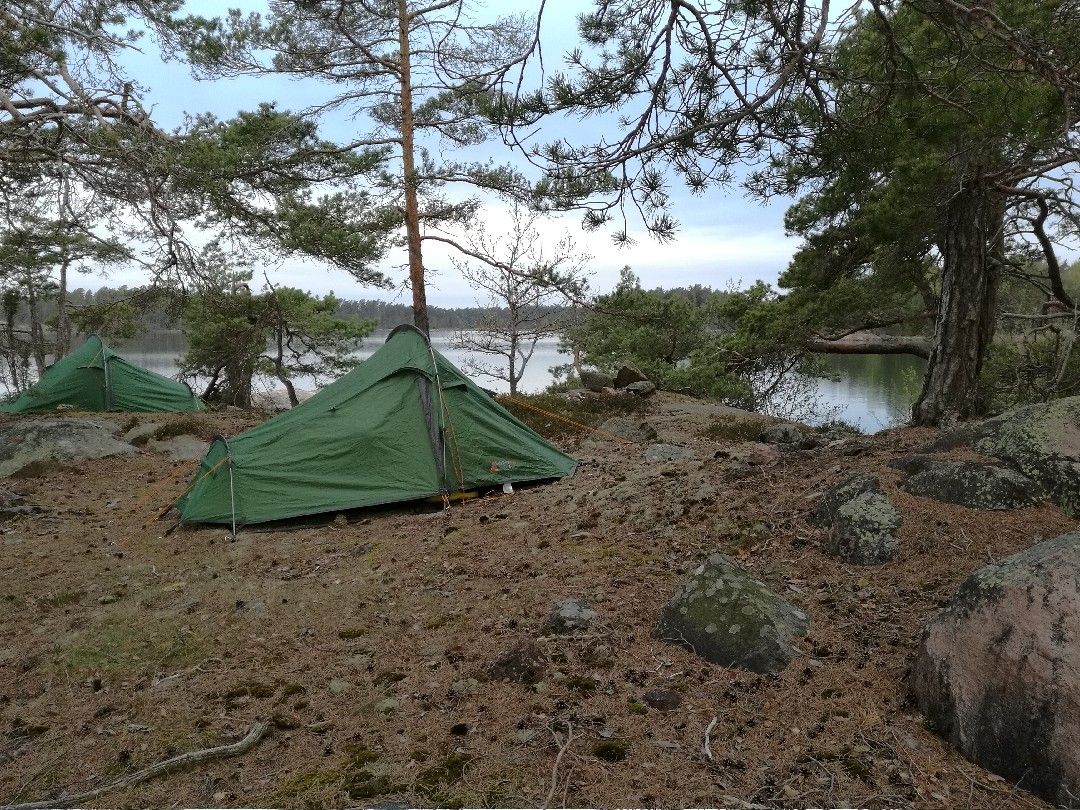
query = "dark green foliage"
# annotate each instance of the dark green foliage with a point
(735, 347)
(235, 336)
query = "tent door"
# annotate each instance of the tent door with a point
(430, 406)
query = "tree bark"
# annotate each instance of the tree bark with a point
(37, 331)
(869, 343)
(972, 253)
(408, 161)
(63, 319)
(279, 368)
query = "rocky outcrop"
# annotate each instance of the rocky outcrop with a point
(862, 522)
(786, 433)
(667, 452)
(595, 380)
(635, 430)
(974, 485)
(627, 375)
(727, 617)
(25, 442)
(997, 671)
(641, 389)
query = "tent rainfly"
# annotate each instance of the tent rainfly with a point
(404, 424)
(94, 378)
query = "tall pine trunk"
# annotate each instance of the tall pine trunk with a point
(63, 318)
(973, 251)
(408, 160)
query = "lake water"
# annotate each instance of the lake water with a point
(871, 391)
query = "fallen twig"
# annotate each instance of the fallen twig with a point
(707, 747)
(555, 767)
(258, 731)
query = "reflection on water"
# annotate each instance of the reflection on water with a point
(871, 391)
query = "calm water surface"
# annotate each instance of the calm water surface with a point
(871, 391)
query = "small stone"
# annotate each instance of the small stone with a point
(635, 430)
(570, 616)
(864, 531)
(665, 700)
(180, 448)
(786, 433)
(524, 735)
(840, 494)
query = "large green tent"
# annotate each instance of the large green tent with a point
(404, 424)
(94, 378)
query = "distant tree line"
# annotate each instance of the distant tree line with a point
(122, 312)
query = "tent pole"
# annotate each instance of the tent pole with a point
(232, 498)
(442, 413)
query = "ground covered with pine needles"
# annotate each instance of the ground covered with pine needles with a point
(367, 639)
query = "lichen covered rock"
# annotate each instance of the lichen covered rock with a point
(836, 497)
(997, 671)
(1043, 442)
(862, 522)
(974, 485)
(727, 617)
(596, 380)
(864, 531)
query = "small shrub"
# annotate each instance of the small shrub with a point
(611, 750)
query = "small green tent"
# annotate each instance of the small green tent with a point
(94, 378)
(404, 424)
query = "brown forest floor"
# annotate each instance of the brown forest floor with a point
(121, 645)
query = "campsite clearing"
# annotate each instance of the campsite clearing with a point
(368, 639)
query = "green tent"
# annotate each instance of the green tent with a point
(402, 425)
(93, 378)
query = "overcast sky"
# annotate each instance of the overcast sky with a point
(724, 237)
